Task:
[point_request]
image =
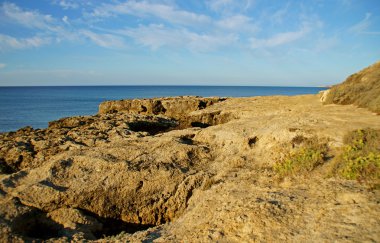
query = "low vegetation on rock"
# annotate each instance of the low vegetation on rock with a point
(360, 157)
(308, 156)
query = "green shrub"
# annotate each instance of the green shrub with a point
(362, 168)
(363, 140)
(308, 156)
(360, 158)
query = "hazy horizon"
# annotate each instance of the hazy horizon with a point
(159, 85)
(306, 43)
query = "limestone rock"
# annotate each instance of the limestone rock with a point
(191, 173)
(29, 148)
(174, 107)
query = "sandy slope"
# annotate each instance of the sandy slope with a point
(361, 88)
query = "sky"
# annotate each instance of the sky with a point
(188, 42)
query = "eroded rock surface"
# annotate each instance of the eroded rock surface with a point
(178, 108)
(124, 175)
(29, 148)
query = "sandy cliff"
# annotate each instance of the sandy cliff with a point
(193, 170)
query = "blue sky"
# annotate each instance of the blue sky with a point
(168, 42)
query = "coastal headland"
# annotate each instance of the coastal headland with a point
(192, 169)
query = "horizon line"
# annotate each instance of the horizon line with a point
(161, 85)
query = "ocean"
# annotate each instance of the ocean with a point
(36, 106)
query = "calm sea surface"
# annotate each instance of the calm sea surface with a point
(35, 106)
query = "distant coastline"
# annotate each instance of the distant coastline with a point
(162, 85)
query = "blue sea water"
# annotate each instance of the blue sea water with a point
(36, 106)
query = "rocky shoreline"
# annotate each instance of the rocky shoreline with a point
(185, 169)
(128, 192)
